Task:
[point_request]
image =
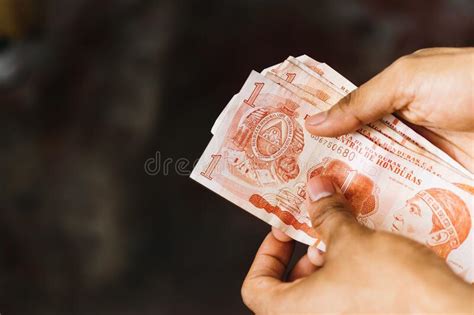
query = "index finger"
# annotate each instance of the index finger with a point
(267, 272)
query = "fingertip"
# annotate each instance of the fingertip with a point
(327, 207)
(315, 256)
(332, 123)
(317, 119)
(320, 187)
(315, 124)
(281, 236)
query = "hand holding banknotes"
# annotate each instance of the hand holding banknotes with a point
(431, 88)
(365, 270)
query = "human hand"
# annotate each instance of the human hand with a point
(364, 271)
(431, 88)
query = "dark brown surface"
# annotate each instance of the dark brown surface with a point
(107, 84)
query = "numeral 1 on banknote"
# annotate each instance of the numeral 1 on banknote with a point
(256, 91)
(290, 77)
(215, 160)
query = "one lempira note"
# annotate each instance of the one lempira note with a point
(261, 158)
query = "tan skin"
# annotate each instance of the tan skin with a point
(365, 271)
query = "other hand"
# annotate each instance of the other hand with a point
(364, 271)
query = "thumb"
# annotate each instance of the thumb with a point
(368, 103)
(330, 213)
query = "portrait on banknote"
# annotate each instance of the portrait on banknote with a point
(435, 217)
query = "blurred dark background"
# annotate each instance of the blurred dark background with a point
(90, 90)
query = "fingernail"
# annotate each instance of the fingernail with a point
(281, 236)
(317, 119)
(320, 187)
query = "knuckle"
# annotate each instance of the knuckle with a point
(426, 52)
(246, 294)
(401, 64)
(349, 105)
(421, 51)
(330, 211)
(402, 71)
(348, 102)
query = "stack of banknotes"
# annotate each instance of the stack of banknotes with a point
(261, 157)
